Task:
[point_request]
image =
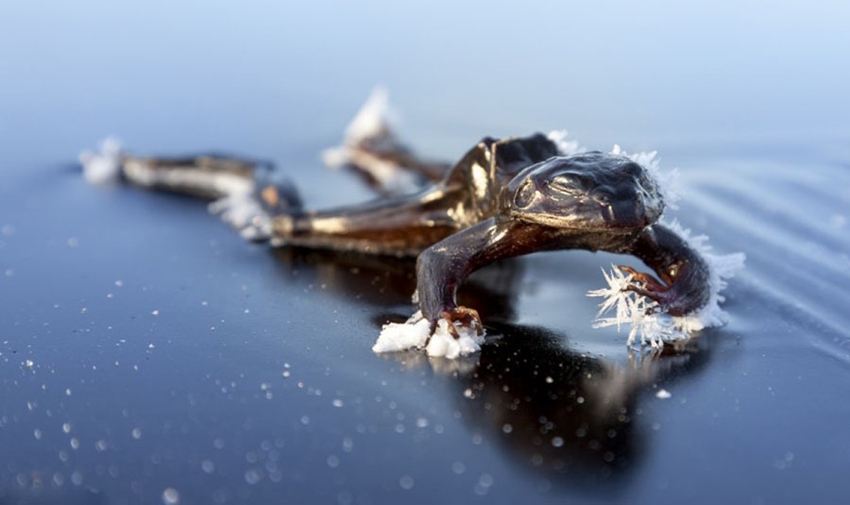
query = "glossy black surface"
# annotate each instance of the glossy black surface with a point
(219, 371)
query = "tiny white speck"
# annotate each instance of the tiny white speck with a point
(155, 312)
(663, 394)
(406, 482)
(136, 433)
(170, 496)
(337, 403)
(253, 476)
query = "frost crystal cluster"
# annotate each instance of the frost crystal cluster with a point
(647, 323)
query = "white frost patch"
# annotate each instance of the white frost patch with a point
(103, 166)
(395, 337)
(242, 211)
(665, 180)
(655, 328)
(371, 121)
(374, 121)
(565, 147)
(388, 175)
(415, 333)
(336, 157)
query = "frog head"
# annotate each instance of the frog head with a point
(591, 191)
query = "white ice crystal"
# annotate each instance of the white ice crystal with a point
(374, 121)
(565, 147)
(664, 180)
(647, 322)
(243, 211)
(415, 333)
(103, 166)
(371, 121)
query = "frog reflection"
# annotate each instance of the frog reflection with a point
(566, 417)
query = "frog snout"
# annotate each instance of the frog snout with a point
(630, 213)
(620, 210)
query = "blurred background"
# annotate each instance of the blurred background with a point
(252, 76)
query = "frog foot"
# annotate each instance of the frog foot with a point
(646, 285)
(466, 317)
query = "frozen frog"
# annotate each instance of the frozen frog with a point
(504, 198)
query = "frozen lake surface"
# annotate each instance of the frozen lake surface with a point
(149, 355)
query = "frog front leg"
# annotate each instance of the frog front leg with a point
(682, 286)
(442, 268)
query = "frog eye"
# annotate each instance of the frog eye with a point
(566, 184)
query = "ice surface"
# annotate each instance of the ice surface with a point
(103, 166)
(415, 333)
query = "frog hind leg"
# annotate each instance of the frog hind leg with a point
(372, 150)
(398, 226)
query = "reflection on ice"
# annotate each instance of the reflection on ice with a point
(567, 417)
